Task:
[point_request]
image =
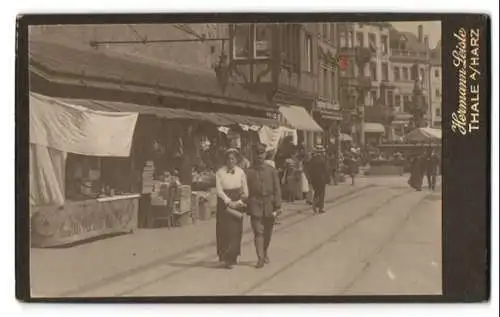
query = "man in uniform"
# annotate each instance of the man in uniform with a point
(264, 202)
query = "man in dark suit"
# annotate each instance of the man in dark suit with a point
(319, 177)
(264, 202)
(432, 164)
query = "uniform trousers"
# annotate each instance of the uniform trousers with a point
(262, 229)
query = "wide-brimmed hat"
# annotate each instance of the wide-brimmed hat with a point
(319, 149)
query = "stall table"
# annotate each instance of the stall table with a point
(77, 221)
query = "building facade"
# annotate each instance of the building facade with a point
(365, 86)
(327, 111)
(410, 66)
(436, 91)
(281, 62)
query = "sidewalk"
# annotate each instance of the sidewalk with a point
(67, 271)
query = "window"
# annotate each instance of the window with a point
(406, 101)
(390, 99)
(385, 44)
(397, 74)
(326, 86)
(332, 33)
(413, 73)
(436, 73)
(309, 53)
(372, 41)
(325, 30)
(385, 71)
(422, 75)
(405, 73)
(361, 70)
(397, 101)
(349, 39)
(263, 34)
(359, 39)
(321, 82)
(332, 85)
(437, 111)
(438, 93)
(241, 41)
(373, 71)
(373, 97)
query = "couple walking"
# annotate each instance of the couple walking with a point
(254, 191)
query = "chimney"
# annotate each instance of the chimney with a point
(420, 33)
(426, 42)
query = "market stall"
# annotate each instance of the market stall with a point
(61, 132)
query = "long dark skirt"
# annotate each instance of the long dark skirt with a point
(229, 230)
(416, 178)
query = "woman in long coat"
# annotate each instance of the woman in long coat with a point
(232, 192)
(417, 172)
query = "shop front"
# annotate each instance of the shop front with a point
(68, 145)
(308, 130)
(167, 173)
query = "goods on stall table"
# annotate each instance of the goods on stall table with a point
(147, 177)
(195, 210)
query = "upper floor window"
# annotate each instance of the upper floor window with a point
(325, 27)
(405, 73)
(372, 41)
(241, 41)
(373, 71)
(385, 71)
(360, 39)
(332, 32)
(436, 73)
(422, 75)
(438, 93)
(397, 101)
(309, 53)
(263, 36)
(397, 74)
(390, 98)
(413, 75)
(385, 43)
(252, 41)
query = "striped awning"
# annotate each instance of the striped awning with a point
(299, 118)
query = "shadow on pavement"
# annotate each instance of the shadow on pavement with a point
(210, 264)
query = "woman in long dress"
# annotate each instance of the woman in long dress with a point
(232, 192)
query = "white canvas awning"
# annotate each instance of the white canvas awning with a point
(373, 127)
(298, 118)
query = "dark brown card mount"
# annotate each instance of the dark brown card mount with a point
(466, 131)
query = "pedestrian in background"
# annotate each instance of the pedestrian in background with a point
(417, 172)
(350, 164)
(319, 177)
(232, 192)
(264, 202)
(432, 164)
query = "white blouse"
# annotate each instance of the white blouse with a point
(226, 181)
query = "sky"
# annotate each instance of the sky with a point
(431, 28)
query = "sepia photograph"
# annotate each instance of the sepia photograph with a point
(235, 159)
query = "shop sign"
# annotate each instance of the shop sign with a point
(327, 105)
(76, 221)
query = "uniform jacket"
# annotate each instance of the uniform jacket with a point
(264, 190)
